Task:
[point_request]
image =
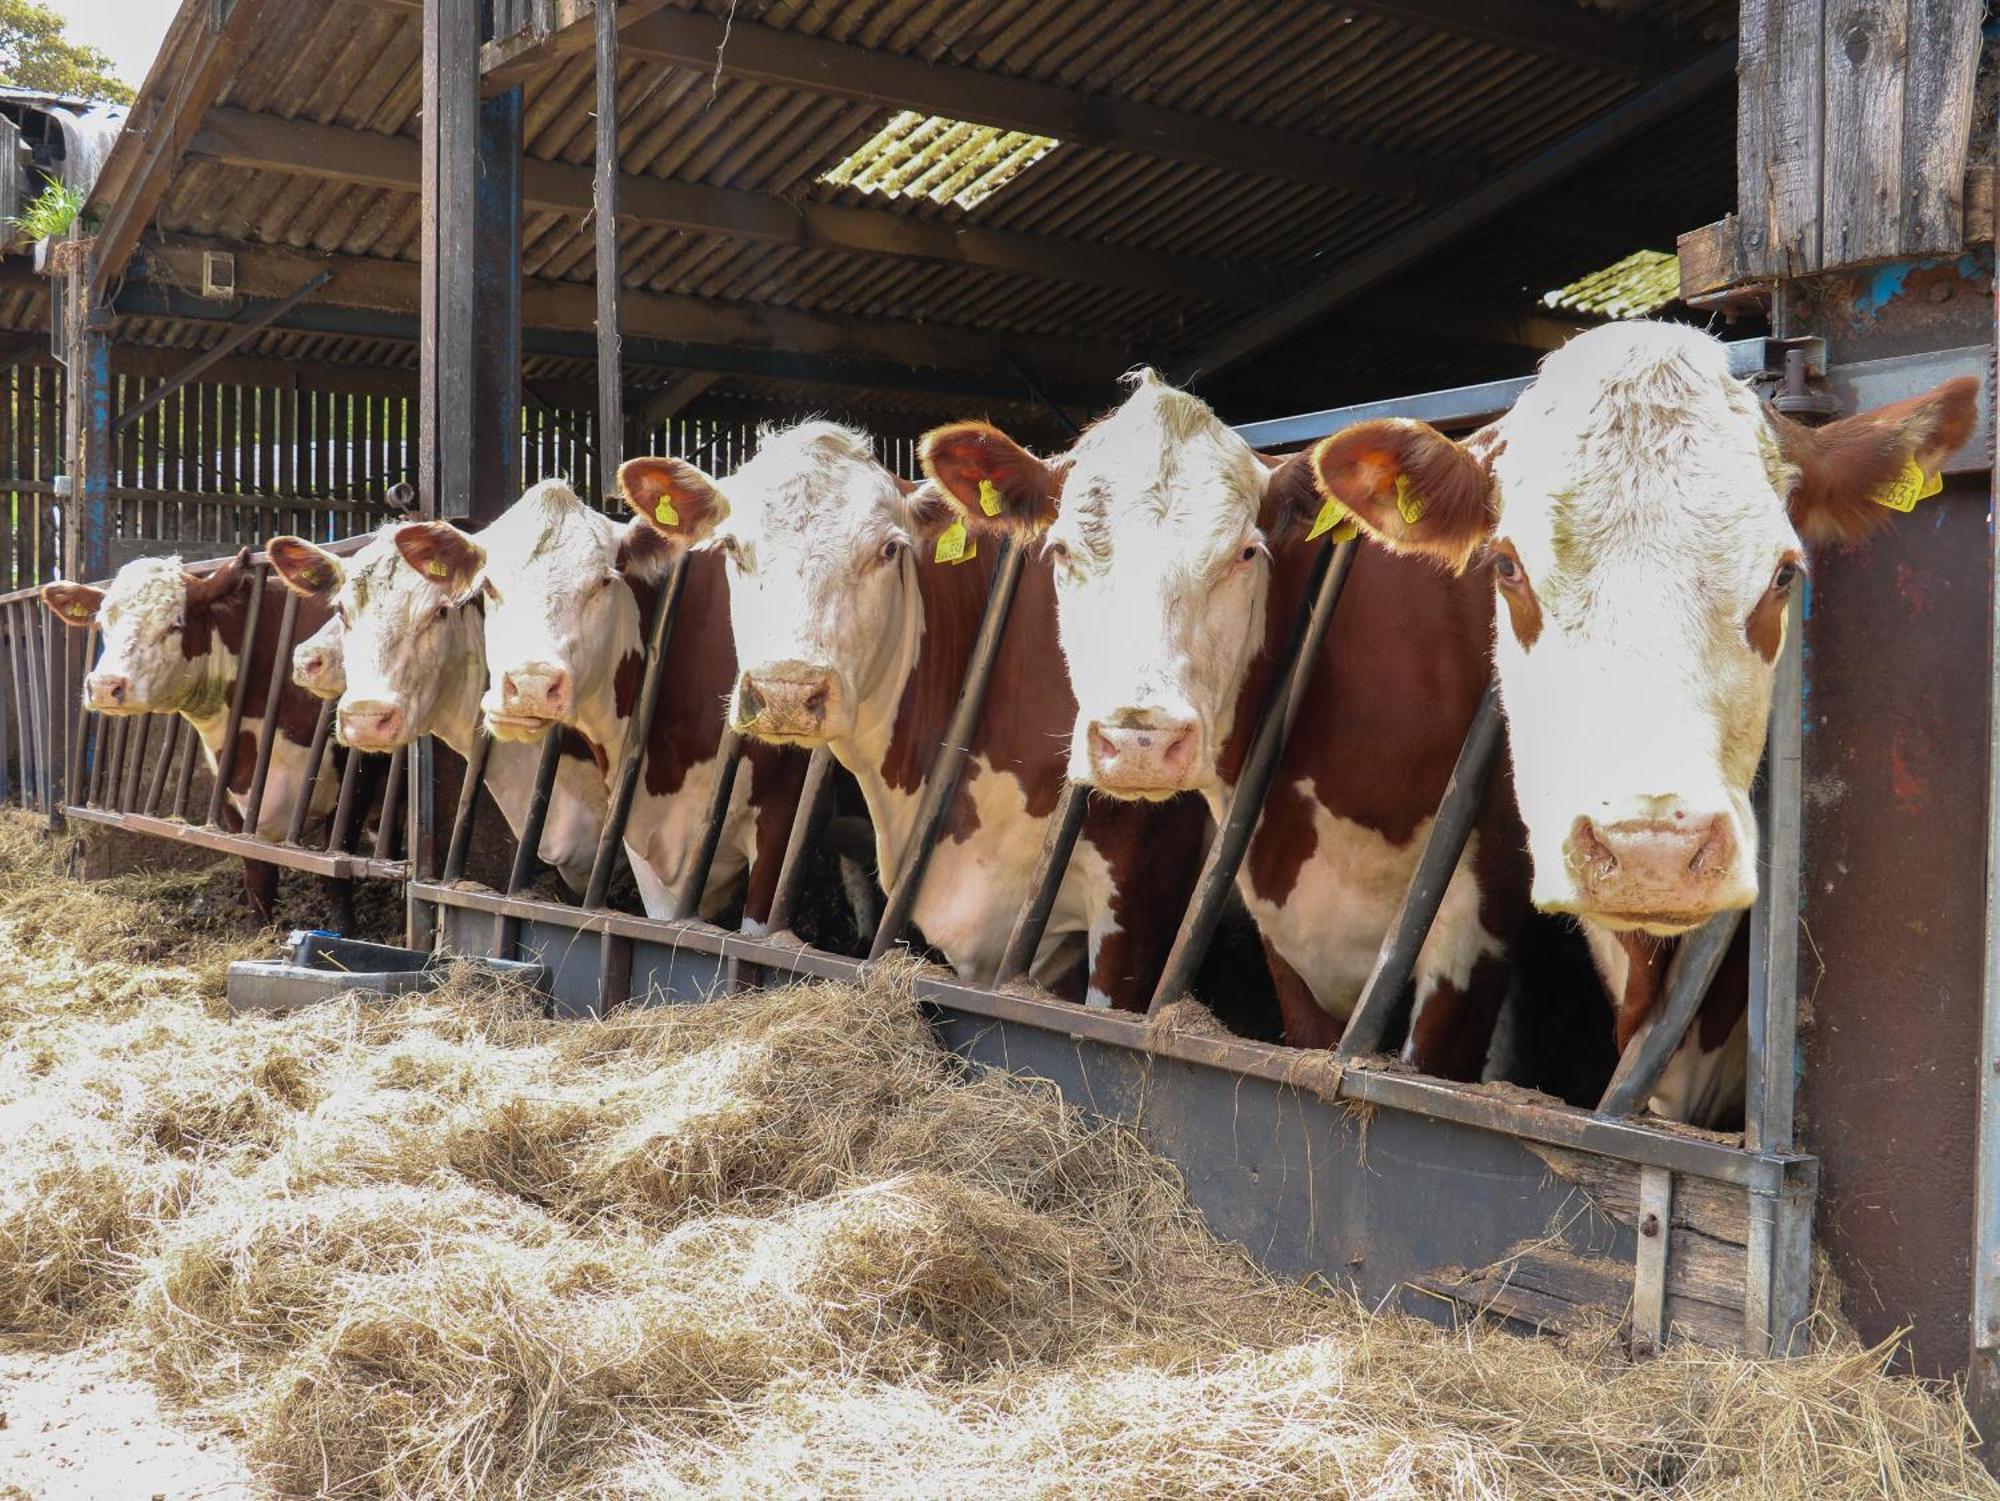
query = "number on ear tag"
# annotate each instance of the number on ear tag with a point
(665, 514)
(955, 545)
(1904, 491)
(1335, 518)
(436, 569)
(1409, 504)
(989, 497)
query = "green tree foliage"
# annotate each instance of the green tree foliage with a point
(34, 54)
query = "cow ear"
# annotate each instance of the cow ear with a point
(444, 555)
(1292, 501)
(401, 496)
(996, 483)
(1855, 474)
(673, 496)
(932, 514)
(644, 551)
(1410, 486)
(206, 589)
(309, 571)
(74, 604)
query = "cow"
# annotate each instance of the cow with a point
(1643, 519)
(404, 655)
(1180, 560)
(172, 641)
(567, 595)
(852, 635)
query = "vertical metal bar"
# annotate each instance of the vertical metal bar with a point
(267, 732)
(687, 898)
(24, 721)
(1397, 961)
(38, 719)
(340, 837)
(1050, 867)
(225, 758)
(1649, 1271)
(295, 827)
(156, 787)
(1771, 1083)
(815, 801)
(184, 783)
(637, 729)
(419, 840)
(392, 801)
(51, 733)
(110, 753)
(1253, 782)
(610, 393)
(507, 930)
(135, 760)
(82, 724)
(1691, 970)
(941, 785)
(460, 847)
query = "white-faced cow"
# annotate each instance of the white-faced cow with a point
(1643, 518)
(854, 637)
(404, 653)
(1180, 561)
(172, 644)
(567, 595)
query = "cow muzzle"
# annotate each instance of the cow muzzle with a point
(527, 700)
(1663, 873)
(366, 725)
(1143, 753)
(110, 693)
(788, 703)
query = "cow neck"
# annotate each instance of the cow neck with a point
(214, 643)
(889, 752)
(455, 710)
(1289, 577)
(627, 650)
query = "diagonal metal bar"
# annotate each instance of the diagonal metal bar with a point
(460, 847)
(225, 758)
(254, 322)
(1253, 782)
(687, 897)
(295, 828)
(1050, 867)
(815, 802)
(941, 785)
(1382, 997)
(1690, 972)
(267, 732)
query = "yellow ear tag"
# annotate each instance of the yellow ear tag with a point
(955, 545)
(79, 612)
(1334, 517)
(1409, 504)
(1904, 491)
(665, 514)
(989, 497)
(436, 569)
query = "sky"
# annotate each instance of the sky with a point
(129, 31)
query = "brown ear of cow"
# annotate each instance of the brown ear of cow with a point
(644, 551)
(997, 485)
(206, 589)
(308, 570)
(672, 496)
(1845, 465)
(74, 604)
(1410, 487)
(1291, 495)
(443, 554)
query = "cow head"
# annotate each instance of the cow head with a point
(1161, 574)
(407, 634)
(158, 624)
(563, 643)
(318, 664)
(821, 546)
(1644, 520)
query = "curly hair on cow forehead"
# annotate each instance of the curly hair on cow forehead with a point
(148, 587)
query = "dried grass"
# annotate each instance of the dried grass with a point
(777, 1245)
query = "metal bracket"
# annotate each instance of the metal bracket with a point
(1792, 372)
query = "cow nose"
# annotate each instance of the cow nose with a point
(1674, 868)
(309, 665)
(1147, 750)
(108, 690)
(542, 692)
(366, 725)
(791, 704)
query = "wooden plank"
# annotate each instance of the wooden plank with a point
(446, 301)
(1943, 59)
(331, 153)
(1711, 258)
(550, 33)
(610, 445)
(1861, 186)
(1779, 136)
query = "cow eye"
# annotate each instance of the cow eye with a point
(440, 612)
(1507, 569)
(1785, 577)
(1248, 555)
(892, 550)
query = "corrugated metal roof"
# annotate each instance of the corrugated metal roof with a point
(1304, 66)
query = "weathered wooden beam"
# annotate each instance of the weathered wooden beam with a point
(332, 153)
(169, 110)
(568, 30)
(610, 443)
(1388, 257)
(393, 286)
(689, 39)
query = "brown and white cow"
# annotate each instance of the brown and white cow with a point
(1180, 561)
(172, 643)
(854, 637)
(404, 654)
(567, 595)
(1643, 519)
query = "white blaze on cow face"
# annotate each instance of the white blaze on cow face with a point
(1161, 575)
(820, 542)
(159, 652)
(1642, 515)
(560, 616)
(406, 641)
